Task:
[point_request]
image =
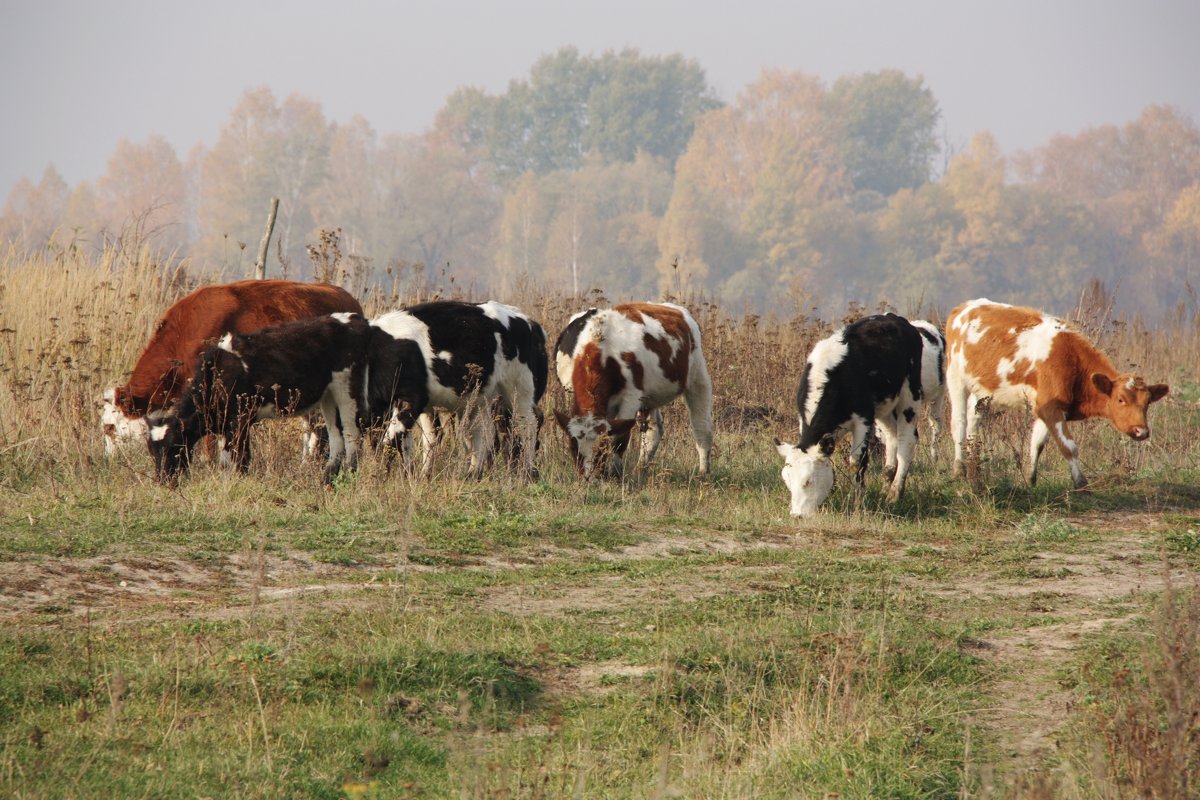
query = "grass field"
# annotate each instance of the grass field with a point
(666, 636)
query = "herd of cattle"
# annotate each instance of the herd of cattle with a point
(227, 356)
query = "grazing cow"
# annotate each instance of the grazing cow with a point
(281, 370)
(619, 366)
(193, 324)
(463, 358)
(870, 371)
(1021, 357)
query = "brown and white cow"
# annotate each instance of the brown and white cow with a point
(1019, 356)
(195, 323)
(620, 365)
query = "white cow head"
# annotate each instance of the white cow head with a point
(807, 474)
(594, 441)
(119, 429)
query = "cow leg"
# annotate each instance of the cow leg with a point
(651, 425)
(962, 408)
(935, 412)
(886, 428)
(1053, 421)
(698, 397)
(315, 441)
(430, 437)
(905, 446)
(1037, 441)
(220, 449)
(860, 449)
(348, 422)
(482, 425)
(964, 420)
(337, 445)
(234, 444)
(523, 426)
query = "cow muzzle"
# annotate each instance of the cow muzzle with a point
(1140, 433)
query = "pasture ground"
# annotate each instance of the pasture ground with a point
(665, 636)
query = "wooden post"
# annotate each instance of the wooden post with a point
(260, 266)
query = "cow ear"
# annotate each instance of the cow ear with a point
(827, 444)
(1158, 391)
(1103, 383)
(783, 448)
(563, 419)
(621, 427)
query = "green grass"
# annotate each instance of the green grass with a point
(661, 636)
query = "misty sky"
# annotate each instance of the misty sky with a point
(75, 77)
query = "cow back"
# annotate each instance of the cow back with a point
(199, 319)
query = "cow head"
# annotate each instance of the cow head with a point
(1128, 400)
(807, 474)
(124, 399)
(171, 440)
(595, 441)
(118, 427)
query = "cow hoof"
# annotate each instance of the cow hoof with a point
(958, 470)
(889, 473)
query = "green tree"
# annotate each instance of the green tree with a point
(574, 106)
(890, 122)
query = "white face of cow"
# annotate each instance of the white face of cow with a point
(593, 440)
(119, 430)
(585, 433)
(808, 477)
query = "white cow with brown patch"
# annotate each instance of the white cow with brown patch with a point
(621, 365)
(1022, 357)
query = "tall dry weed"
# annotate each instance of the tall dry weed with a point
(72, 324)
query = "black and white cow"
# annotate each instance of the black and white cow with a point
(463, 358)
(869, 372)
(281, 370)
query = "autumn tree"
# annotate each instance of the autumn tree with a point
(439, 206)
(1126, 181)
(266, 150)
(353, 195)
(141, 196)
(747, 215)
(594, 227)
(33, 213)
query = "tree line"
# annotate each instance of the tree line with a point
(625, 172)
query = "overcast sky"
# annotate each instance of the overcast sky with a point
(75, 77)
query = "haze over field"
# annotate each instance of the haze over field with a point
(77, 77)
(772, 159)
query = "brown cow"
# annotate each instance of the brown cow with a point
(1019, 356)
(196, 322)
(620, 365)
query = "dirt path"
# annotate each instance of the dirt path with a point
(1079, 591)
